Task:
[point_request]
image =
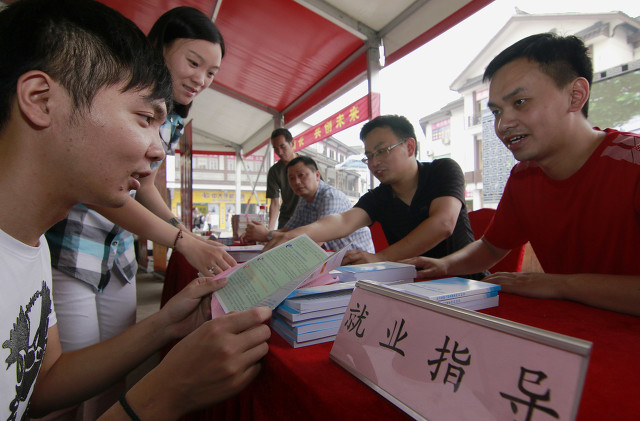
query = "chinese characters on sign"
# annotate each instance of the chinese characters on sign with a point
(356, 316)
(395, 337)
(535, 379)
(454, 371)
(422, 357)
(343, 119)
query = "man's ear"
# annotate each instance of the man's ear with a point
(318, 178)
(579, 90)
(33, 92)
(411, 146)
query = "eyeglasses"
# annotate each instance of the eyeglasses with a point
(381, 153)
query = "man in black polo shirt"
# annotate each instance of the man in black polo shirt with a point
(420, 205)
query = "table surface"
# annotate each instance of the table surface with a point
(303, 383)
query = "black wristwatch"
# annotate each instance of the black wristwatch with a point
(174, 221)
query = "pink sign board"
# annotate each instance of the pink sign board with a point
(439, 362)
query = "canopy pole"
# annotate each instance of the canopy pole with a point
(375, 61)
(255, 183)
(238, 180)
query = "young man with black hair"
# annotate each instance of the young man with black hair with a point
(420, 205)
(575, 195)
(84, 128)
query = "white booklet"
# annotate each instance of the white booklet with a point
(449, 288)
(386, 272)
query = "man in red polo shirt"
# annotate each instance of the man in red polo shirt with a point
(575, 195)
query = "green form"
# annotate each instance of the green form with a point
(282, 268)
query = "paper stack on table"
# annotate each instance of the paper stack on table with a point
(384, 272)
(312, 315)
(458, 292)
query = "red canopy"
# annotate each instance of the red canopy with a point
(286, 59)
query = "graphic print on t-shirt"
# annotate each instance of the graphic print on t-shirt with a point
(26, 344)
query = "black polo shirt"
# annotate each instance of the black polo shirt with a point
(442, 177)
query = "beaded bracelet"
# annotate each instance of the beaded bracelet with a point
(178, 236)
(127, 408)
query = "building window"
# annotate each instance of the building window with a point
(230, 163)
(479, 103)
(441, 130)
(201, 162)
(214, 162)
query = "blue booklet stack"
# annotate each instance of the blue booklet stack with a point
(312, 315)
(384, 272)
(458, 292)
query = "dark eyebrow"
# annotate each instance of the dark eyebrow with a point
(202, 58)
(159, 111)
(507, 96)
(377, 147)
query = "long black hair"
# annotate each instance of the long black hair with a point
(183, 22)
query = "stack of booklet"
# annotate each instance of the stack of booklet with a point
(383, 272)
(458, 292)
(312, 315)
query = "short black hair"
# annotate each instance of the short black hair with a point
(399, 125)
(561, 58)
(83, 45)
(282, 132)
(309, 162)
(184, 22)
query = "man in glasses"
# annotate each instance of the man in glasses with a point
(419, 205)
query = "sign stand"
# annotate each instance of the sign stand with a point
(439, 362)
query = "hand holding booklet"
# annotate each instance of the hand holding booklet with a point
(267, 279)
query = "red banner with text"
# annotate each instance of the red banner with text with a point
(351, 115)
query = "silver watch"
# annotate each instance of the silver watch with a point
(270, 235)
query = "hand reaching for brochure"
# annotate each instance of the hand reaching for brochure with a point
(356, 257)
(256, 231)
(279, 237)
(208, 257)
(427, 267)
